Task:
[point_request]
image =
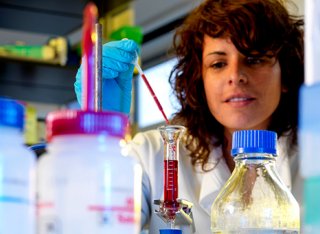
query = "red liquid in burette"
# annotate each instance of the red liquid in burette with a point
(170, 183)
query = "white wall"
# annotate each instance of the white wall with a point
(298, 9)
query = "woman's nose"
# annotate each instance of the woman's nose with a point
(237, 74)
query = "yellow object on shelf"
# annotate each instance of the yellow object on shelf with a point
(31, 129)
(122, 15)
(55, 52)
(35, 52)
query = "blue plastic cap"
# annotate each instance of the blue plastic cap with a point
(254, 141)
(170, 231)
(11, 113)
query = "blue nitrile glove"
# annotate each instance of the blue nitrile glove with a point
(117, 71)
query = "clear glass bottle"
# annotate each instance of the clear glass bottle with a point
(254, 199)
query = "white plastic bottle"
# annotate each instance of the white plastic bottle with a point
(309, 146)
(85, 183)
(309, 124)
(17, 173)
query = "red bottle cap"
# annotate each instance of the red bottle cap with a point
(67, 122)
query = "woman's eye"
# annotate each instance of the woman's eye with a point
(218, 65)
(254, 60)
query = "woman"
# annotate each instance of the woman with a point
(240, 66)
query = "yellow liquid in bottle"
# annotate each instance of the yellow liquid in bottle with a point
(255, 200)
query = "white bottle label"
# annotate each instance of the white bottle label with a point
(17, 211)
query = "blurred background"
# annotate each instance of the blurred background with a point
(40, 52)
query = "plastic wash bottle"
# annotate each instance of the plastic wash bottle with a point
(17, 172)
(85, 183)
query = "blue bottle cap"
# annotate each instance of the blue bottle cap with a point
(170, 231)
(254, 141)
(11, 113)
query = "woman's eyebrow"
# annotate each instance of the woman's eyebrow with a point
(217, 53)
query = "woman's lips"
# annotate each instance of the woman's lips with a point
(239, 100)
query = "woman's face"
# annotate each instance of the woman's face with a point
(242, 92)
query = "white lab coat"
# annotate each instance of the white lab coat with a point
(200, 188)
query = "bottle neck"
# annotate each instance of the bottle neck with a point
(83, 142)
(10, 135)
(255, 158)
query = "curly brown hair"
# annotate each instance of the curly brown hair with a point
(258, 26)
